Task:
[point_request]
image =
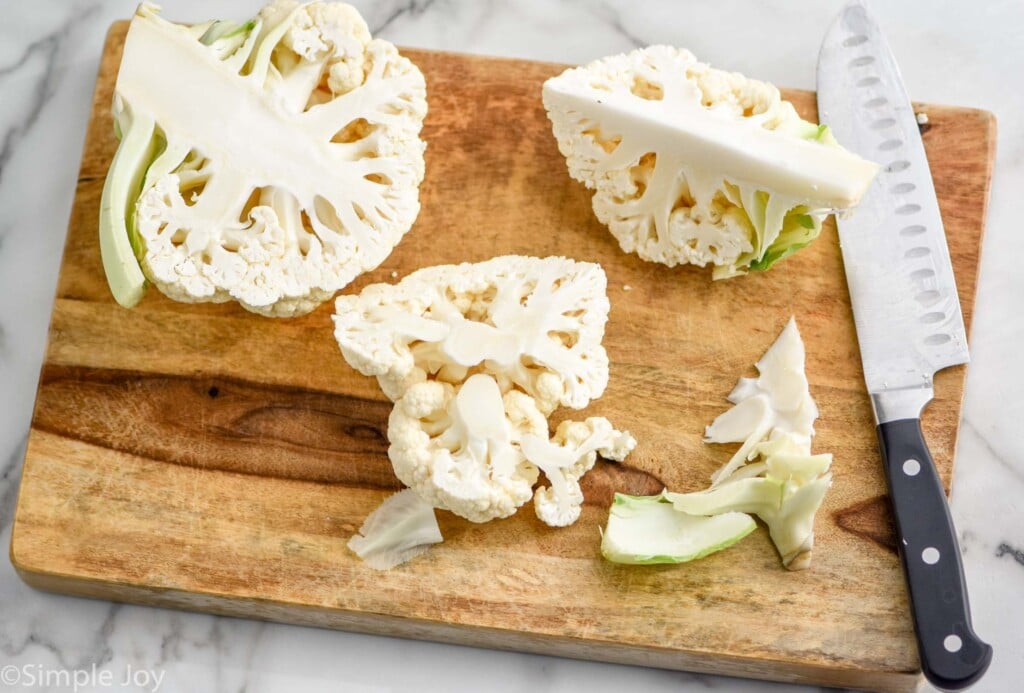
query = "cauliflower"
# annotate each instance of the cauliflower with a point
(477, 453)
(777, 406)
(784, 501)
(532, 323)
(269, 162)
(773, 417)
(566, 458)
(401, 528)
(645, 530)
(692, 165)
(475, 357)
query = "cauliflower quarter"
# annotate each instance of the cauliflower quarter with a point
(268, 162)
(476, 356)
(692, 165)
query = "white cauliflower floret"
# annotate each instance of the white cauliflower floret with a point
(269, 162)
(455, 448)
(476, 356)
(334, 29)
(692, 165)
(532, 323)
(469, 450)
(566, 458)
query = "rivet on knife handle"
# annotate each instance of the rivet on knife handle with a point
(952, 656)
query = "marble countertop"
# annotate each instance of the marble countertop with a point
(49, 53)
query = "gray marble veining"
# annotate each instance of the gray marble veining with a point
(49, 53)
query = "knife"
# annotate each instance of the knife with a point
(909, 326)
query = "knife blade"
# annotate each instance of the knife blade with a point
(909, 326)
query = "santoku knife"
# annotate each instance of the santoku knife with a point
(909, 326)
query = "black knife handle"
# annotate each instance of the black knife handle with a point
(952, 656)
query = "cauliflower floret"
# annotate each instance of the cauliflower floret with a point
(334, 30)
(476, 356)
(532, 323)
(692, 165)
(299, 171)
(456, 449)
(559, 506)
(566, 458)
(595, 434)
(469, 450)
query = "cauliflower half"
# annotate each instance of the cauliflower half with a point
(692, 165)
(476, 356)
(269, 162)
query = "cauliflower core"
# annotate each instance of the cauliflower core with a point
(692, 165)
(269, 162)
(476, 356)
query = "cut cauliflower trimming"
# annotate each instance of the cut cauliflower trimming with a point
(692, 165)
(476, 356)
(774, 474)
(268, 162)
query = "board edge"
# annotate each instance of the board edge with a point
(475, 636)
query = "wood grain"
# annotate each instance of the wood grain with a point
(206, 458)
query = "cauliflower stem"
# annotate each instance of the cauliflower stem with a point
(645, 530)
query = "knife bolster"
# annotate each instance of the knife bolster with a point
(901, 403)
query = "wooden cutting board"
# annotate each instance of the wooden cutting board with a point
(201, 457)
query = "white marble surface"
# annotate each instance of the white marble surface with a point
(950, 52)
